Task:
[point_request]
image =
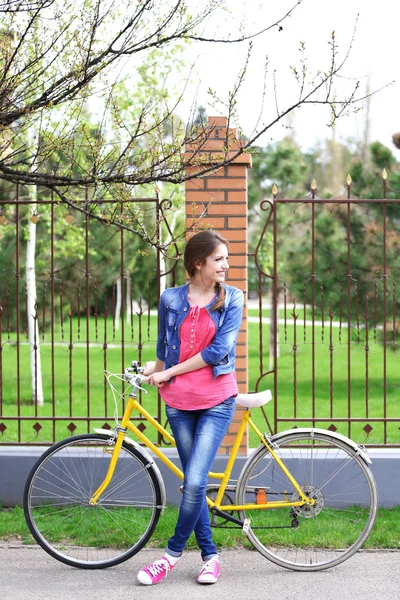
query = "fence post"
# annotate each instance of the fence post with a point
(218, 200)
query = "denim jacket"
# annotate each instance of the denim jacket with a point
(174, 308)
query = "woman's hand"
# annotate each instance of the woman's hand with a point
(159, 378)
(149, 367)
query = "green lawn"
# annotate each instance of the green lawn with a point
(384, 534)
(90, 395)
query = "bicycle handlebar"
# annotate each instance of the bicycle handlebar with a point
(134, 375)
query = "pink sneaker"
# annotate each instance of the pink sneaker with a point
(155, 572)
(210, 571)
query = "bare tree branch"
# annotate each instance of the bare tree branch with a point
(57, 56)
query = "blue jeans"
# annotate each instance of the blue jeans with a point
(198, 435)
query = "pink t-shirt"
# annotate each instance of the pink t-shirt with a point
(197, 389)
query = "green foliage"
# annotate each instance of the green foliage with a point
(334, 245)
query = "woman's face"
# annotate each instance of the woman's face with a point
(216, 266)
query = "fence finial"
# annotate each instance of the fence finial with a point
(274, 190)
(384, 174)
(348, 179)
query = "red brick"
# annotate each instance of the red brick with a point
(215, 157)
(241, 362)
(219, 183)
(227, 209)
(237, 171)
(237, 273)
(237, 235)
(219, 144)
(235, 222)
(213, 222)
(242, 337)
(237, 247)
(195, 184)
(237, 260)
(201, 196)
(237, 196)
(217, 122)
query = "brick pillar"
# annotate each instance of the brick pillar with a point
(218, 200)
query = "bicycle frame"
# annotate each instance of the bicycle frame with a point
(224, 477)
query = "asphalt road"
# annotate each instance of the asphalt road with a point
(28, 573)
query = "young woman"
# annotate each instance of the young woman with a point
(195, 371)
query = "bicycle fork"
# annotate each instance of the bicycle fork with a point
(110, 472)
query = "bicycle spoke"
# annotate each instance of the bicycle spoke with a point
(321, 534)
(57, 502)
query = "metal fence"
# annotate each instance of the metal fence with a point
(88, 270)
(325, 272)
(328, 325)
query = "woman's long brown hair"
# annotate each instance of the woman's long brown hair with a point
(197, 249)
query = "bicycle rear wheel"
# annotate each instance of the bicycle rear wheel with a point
(60, 485)
(314, 537)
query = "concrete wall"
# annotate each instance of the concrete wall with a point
(16, 462)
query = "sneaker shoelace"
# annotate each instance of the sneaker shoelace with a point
(210, 565)
(159, 566)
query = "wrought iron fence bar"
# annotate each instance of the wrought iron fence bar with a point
(349, 279)
(284, 308)
(122, 276)
(105, 386)
(102, 417)
(60, 203)
(1, 356)
(36, 350)
(339, 419)
(87, 311)
(158, 289)
(275, 316)
(260, 326)
(313, 276)
(70, 361)
(304, 312)
(61, 311)
(357, 312)
(295, 316)
(331, 351)
(367, 350)
(344, 201)
(322, 313)
(52, 308)
(394, 303)
(18, 323)
(385, 275)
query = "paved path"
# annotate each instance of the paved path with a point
(28, 573)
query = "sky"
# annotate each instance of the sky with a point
(373, 58)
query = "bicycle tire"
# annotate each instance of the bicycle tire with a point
(329, 470)
(60, 485)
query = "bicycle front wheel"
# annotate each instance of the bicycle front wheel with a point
(309, 537)
(58, 490)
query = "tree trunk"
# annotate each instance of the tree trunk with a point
(128, 311)
(33, 329)
(118, 304)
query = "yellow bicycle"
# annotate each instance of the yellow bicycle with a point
(305, 498)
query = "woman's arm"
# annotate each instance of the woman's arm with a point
(224, 340)
(218, 348)
(191, 364)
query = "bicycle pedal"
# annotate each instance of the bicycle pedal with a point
(246, 526)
